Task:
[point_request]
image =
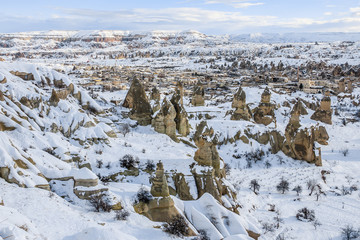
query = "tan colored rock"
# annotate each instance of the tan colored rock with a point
(266, 95)
(207, 154)
(158, 209)
(164, 121)
(341, 86)
(136, 99)
(181, 119)
(349, 87)
(321, 135)
(85, 194)
(3, 81)
(182, 188)
(207, 182)
(198, 98)
(242, 111)
(155, 94)
(159, 187)
(23, 75)
(162, 207)
(264, 113)
(54, 99)
(301, 146)
(2, 98)
(324, 112)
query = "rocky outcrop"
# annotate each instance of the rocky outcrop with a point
(23, 75)
(302, 147)
(341, 85)
(164, 121)
(321, 135)
(324, 112)
(198, 98)
(162, 207)
(136, 99)
(209, 173)
(207, 154)
(181, 119)
(54, 99)
(155, 94)
(2, 96)
(264, 113)
(242, 111)
(182, 189)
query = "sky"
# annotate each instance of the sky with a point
(207, 16)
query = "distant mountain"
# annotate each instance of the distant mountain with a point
(295, 37)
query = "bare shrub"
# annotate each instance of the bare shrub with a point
(128, 161)
(100, 202)
(176, 226)
(143, 196)
(122, 215)
(305, 215)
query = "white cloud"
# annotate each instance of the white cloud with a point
(235, 3)
(207, 21)
(328, 13)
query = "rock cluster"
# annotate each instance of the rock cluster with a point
(136, 99)
(264, 113)
(198, 98)
(181, 119)
(324, 112)
(210, 173)
(164, 121)
(162, 207)
(242, 111)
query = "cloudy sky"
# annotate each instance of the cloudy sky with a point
(208, 16)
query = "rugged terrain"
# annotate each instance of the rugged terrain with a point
(196, 149)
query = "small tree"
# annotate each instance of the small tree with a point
(348, 233)
(283, 186)
(176, 226)
(298, 189)
(100, 202)
(254, 186)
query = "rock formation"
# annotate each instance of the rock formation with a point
(242, 111)
(341, 85)
(155, 94)
(164, 121)
(264, 113)
(207, 154)
(181, 119)
(54, 99)
(209, 174)
(162, 207)
(136, 99)
(324, 112)
(198, 95)
(2, 96)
